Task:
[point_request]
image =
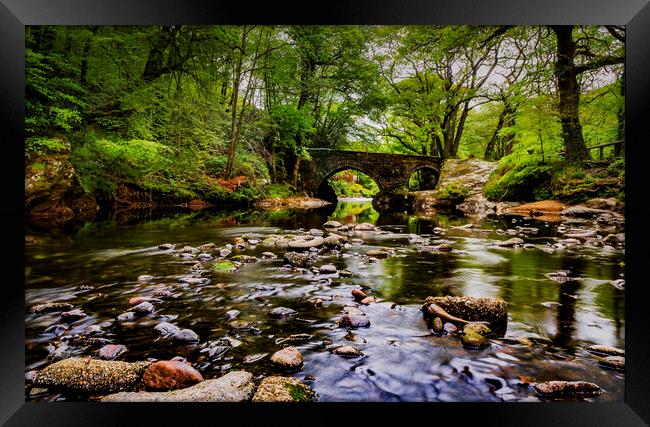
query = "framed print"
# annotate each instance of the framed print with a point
(358, 210)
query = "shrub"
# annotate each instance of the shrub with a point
(521, 182)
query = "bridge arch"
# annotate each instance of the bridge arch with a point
(326, 192)
(424, 170)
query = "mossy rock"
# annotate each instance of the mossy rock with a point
(283, 389)
(476, 328)
(474, 340)
(224, 266)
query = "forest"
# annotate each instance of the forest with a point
(225, 114)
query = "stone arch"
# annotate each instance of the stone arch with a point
(326, 192)
(435, 172)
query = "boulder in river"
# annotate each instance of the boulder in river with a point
(437, 325)
(332, 224)
(301, 243)
(170, 375)
(165, 328)
(473, 309)
(185, 335)
(364, 226)
(515, 241)
(283, 389)
(72, 315)
(281, 312)
(236, 386)
(358, 294)
(582, 212)
(91, 376)
(288, 358)
(613, 362)
(566, 388)
(606, 350)
(354, 321)
(327, 269)
(347, 351)
(299, 259)
(380, 253)
(144, 308)
(50, 307)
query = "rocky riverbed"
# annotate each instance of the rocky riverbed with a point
(330, 306)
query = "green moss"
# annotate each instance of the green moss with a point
(452, 191)
(277, 190)
(300, 393)
(222, 266)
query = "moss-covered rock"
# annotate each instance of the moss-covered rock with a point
(283, 389)
(91, 376)
(474, 309)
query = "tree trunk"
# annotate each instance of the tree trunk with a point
(489, 148)
(459, 130)
(234, 131)
(575, 149)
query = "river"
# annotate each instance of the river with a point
(550, 324)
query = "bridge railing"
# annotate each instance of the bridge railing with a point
(618, 148)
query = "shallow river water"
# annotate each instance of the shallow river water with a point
(550, 324)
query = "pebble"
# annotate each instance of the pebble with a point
(281, 312)
(347, 351)
(232, 313)
(144, 278)
(450, 328)
(144, 308)
(354, 321)
(358, 294)
(93, 329)
(166, 246)
(437, 325)
(126, 317)
(72, 315)
(186, 335)
(605, 349)
(165, 328)
(268, 255)
(111, 351)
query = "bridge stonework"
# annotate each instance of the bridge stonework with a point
(391, 172)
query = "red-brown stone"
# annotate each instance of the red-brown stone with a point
(170, 375)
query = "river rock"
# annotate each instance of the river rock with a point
(473, 309)
(358, 294)
(477, 328)
(231, 314)
(450, 328)
(283, 389)
(72, 315)
(165, 328)
(332, 224)
(236, 386)
(144, 308)
(345, 273)
(111, 351)
(605, 349)
(268, 255)
(170, 375)
(299, 259)
(437, 325)
(51, 307)
(224, 252)
(93, 329)
(380, 253)
(364, 226)
(166, 246)
(354, 321)
(581, 212)
(185, 335)
(327, 269)
(281, 312)
(618, 284)
(288, 358)
(347, 351)
(91, 376)
(126, 317)
(474, 340)
(315, 232)
(613, 362)
(510, 242)
(302, 243)
(566, 388)
(241, 325)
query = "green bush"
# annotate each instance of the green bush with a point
(40, 145)
(525, 182)
(277, 190)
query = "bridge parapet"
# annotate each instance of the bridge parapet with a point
(391, 172)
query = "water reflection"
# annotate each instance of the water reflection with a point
(548, 321)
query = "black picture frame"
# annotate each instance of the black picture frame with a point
(15, 14)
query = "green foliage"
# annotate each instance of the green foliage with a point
(519, 182)
(353, 184)
(452, 191)
(38, 146)
(617, 168)
(277, 190)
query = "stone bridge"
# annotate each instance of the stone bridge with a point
(391, 172)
